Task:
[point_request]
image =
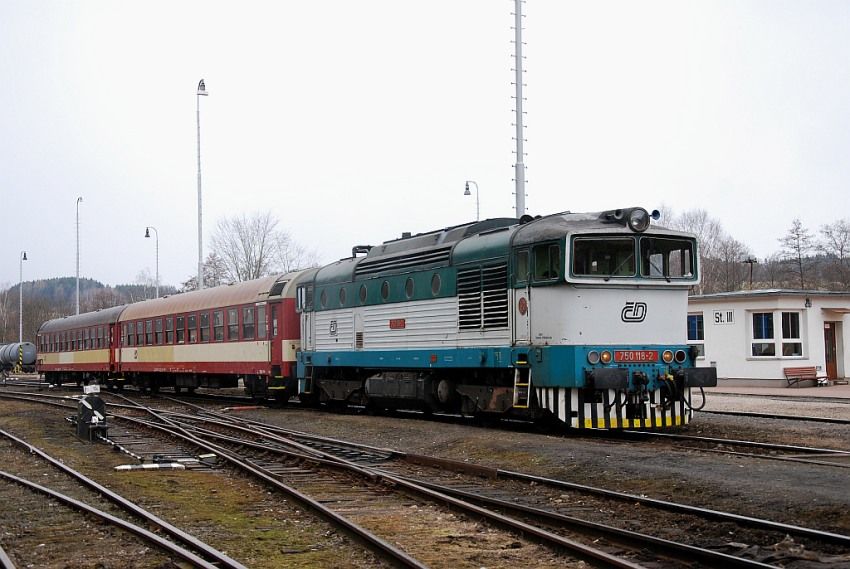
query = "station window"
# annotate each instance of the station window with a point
(696, 333)
(169, 330)
(181, 331)
(218, 325)
(205, 326)
(763, 344)
(261, 322)
(248, 323)
(232, 324)
(157, 328)
(792, 344)
(192, 325)
(149, 332)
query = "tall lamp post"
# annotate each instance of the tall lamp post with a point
(202, 91)
(468, 193)
(79, 199)
(23, 257)
(156, 233)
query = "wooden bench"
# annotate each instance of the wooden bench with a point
(794, 375)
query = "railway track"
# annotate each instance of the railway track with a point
(36, 499)
(546, 508)
(562, 507)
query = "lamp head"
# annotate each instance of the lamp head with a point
(466, 192)
(202, 89)
(147, 231)
(24, 258)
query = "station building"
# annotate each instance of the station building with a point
(752, 336)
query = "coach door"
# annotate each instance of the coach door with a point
(275, 334)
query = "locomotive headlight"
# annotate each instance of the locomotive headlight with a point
(681, 356)
(593, 357)
(605, 357)
(639, 220)
(667, 356)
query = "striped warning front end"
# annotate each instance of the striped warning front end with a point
(603, 410)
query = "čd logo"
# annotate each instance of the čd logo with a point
(633, 312)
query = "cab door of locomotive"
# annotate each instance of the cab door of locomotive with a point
(521, 297)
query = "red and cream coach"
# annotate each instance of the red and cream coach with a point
(208, 338)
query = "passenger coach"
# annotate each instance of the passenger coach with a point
(208, 338)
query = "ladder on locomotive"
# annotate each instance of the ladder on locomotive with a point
(522, 387)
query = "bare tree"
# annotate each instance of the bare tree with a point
(796, 245)
(252, 246)
(709, 235)
(215, 274)
(835, 245)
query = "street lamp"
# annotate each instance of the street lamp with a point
(79, 199)
(468, 193)
(156, 233)
(751, 261)
(202, 91)
(23, 258)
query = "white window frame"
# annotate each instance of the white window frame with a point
(700, 343)
(778, 340)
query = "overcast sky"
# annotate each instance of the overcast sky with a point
(355, 121)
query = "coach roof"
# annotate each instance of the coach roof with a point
(208, 298)
(96, 318)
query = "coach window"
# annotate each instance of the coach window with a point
(205, 326)
(261, 322)
(218, 325)
(232, 324)
(79, 339)
(181, 331)
(274, 322)
(140, 333)
(149, 332)
(86, 341)
(169, 330)
(192, 325)
(100, 337)
(248, 323)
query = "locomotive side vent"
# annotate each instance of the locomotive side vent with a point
(483, 297)
(379, 264)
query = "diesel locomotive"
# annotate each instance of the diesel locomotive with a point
(577, 318)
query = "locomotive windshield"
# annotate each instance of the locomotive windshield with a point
(609, 256)
(665, 257)
(604, 257)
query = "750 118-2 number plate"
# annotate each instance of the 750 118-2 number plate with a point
(635, 356)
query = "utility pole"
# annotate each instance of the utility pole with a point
(519, 167)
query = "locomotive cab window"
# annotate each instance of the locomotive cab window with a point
(521, 268)
(305, 298)
(604, 257)
(666, 258)
(547, 260)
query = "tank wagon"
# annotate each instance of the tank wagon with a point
(18, 356)
(208, 338)
(579, 318)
